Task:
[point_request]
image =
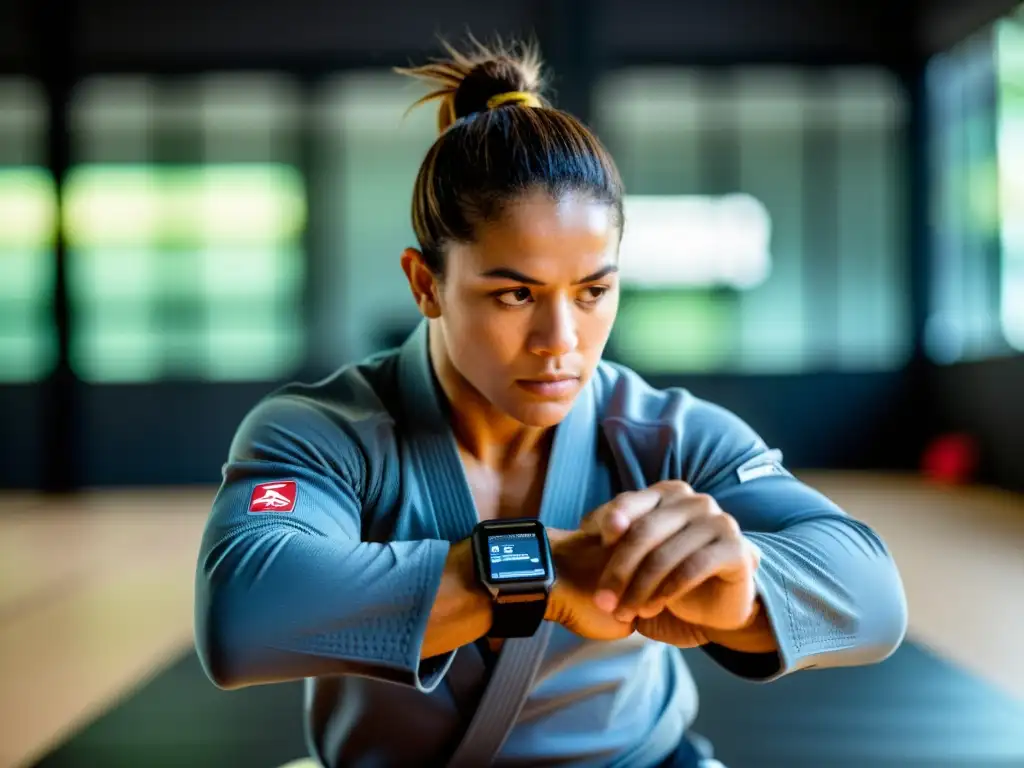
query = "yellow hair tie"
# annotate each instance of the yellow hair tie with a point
(513, 97)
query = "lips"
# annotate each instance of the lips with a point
(550, 386)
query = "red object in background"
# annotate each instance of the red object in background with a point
(951, 459)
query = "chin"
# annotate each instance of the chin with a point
(541, 415)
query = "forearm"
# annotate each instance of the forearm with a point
(275, 604)
(462, 608)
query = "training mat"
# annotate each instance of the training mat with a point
(914, 710)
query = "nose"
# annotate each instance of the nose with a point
(554, 334)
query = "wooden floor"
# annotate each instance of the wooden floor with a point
(96, 591)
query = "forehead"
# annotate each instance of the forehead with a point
(545, 238)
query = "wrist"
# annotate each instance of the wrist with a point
(557, 540)
(475, 598)
(519, 599)
(755, 636)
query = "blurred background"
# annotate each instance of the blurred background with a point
(200, 201)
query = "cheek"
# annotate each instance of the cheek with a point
(502, 335)
(486, 337)
(595, 327)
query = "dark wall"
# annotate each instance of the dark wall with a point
(159, 434)
(15, 38)
(119, 32)
(943, 23)
(825, 420)
(321, 28)
(167, 434)
(22, 436)
(986, 400)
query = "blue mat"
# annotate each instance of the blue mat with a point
(913, 711)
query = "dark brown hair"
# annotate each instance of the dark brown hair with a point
(488, 156)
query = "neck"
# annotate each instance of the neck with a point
(484, 432)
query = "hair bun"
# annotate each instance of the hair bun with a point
(467, 82)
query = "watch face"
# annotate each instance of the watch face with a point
(515, 557)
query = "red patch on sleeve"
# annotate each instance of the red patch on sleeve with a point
(273, 497)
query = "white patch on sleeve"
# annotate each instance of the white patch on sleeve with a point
(765, 465)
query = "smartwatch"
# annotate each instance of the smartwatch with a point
(512, 559)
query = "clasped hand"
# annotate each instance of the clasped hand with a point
(665, 561)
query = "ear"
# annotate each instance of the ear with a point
(422, 283)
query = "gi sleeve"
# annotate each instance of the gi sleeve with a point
(830, 587)
(285, 589)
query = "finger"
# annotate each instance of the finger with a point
(722, 558)
(615, 517)
(674, 488)
(666, 628)
(645, 585)
(651, 609)
(643, 536)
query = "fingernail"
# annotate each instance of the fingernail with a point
(605, 600)
(619, 521)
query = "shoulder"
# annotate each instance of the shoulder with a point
(675, 433)
(625, 397)
(341, 423)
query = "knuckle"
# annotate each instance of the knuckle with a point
(676, 488)
(674, 484)
(705, 505)
(727, 525)
(603, 514)
(622, 499)
(622, 504)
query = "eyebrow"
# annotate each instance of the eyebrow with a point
(510, 274)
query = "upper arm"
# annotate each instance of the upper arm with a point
(724, 457)
(288, 440)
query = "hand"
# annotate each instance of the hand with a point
(679, 563)
(580, 559)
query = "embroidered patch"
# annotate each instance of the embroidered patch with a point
(273, 497)
(765, 465)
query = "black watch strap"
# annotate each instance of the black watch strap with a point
(520, 618)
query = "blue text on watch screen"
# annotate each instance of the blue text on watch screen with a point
(515, 556)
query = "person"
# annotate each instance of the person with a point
(340, 545)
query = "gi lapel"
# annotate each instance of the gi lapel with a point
(429, 435)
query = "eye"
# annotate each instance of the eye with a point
(514, 298)
(592, 294)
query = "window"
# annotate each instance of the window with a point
(796, 262)
(367, 152)
(1010, 153)
(974, 161)
(28, 336)
(185, 214)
